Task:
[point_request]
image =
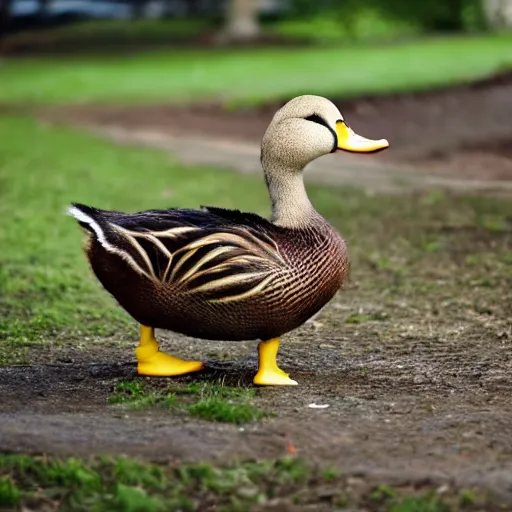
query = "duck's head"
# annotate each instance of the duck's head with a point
(306, 128)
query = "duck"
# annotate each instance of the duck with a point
(220, 274)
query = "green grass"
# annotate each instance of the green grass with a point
(207, 401)
(391, 500)
(48, 294)
(365, 24)
(257, 75)
(428, 503)
(46, 288)
(130, 485)
(134, 395)
(226, 404)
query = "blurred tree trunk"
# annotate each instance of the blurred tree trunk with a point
(454, 15)
(42, 8)
(498, 13)
(242, 20)
(138, 7)
(194, 8)
(5, 16)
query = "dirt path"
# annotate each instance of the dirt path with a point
(459, 139)
(364, 171)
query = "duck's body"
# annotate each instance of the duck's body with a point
(216, 274)
(219, 274)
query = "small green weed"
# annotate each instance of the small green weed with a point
(127, 391)
(331, 474)
(467, 498)
(473, 259)
(389, 499)
(432, 246)
(13, 352)
(135, 395)
(427, 503)
(291, 470)
(382, 494)
(208, 401)
(493, 222)
(507, 258)
(135, 499)
(134, 472)
(217, 409)
(225, 404)
(9, 494)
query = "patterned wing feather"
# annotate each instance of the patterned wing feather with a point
(220, 255)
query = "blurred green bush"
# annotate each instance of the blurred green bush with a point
(331, 20)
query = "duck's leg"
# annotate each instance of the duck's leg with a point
(269, 374)
(153, 362)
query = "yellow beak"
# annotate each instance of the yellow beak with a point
(350, 141)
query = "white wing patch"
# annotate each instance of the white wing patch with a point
(100, 236)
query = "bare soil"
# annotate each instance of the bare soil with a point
(404, 407)
(421, 397)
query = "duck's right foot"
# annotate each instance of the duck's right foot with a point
(165, 365)
(159, 364)
(274, 377)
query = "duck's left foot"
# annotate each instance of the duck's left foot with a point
(269, 374)
(159, 364)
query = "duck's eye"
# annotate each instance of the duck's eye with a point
(317, 119)
(320, 120)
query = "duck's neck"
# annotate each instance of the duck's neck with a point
(291, 206)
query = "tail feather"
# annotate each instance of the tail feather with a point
(89, 218)
(98, 223)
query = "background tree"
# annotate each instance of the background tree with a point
(42, 6)
(138, 7)
(242, 21)
(498, 12)
(5, 15)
